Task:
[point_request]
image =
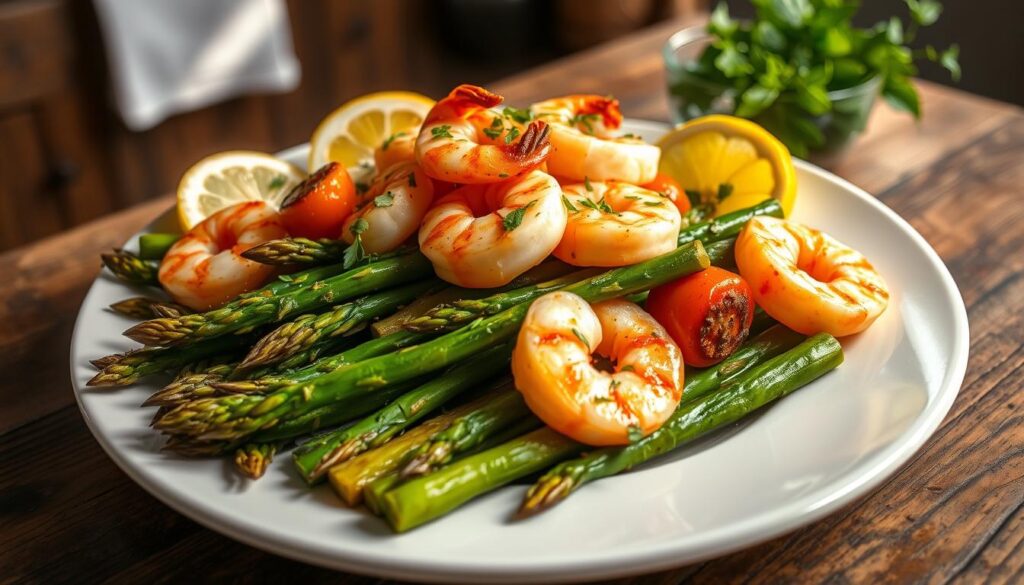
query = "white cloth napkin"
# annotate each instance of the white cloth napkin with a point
(170, 56)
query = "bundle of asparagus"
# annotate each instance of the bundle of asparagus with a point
(249, 393)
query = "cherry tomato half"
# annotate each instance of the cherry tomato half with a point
(319, 206)
(707, 313)
(668, 187)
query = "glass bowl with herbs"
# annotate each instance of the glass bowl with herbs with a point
(800, 68)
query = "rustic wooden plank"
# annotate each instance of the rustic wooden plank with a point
(43, 286)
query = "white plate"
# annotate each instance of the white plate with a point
(803, 458)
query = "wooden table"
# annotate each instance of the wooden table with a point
(954, 512)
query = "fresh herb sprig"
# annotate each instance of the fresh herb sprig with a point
(782, 65)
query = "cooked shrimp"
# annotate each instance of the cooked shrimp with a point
(583, 144)
(205, 268)
(399, 147)
(615, 224)
(452, 147)
(391, 209)
(482, 236)
(552, 368)
(807, 280)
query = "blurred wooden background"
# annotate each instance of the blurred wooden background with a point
(66, 157)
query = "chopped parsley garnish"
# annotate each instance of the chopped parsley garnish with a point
(603, 206)
(587, 185)
(627, 368)
(412, 179)
(517, 115)
(385, 200)
(633, 197)
(513, 133)
(588, 203)
(568, 204)
(581, 337)
(390, 139)
(585, 120)
(361, 188)
(634, 433)
(277, 182)
(694, 196)
(355, 253)
(441, 132)
(493, 133)
(652, 203)
(514, 218)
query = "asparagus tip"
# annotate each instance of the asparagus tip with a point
(252, 460)
(423, 463)
(547, 492)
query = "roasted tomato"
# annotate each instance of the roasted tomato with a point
(707, 313)
(668, 187)
(318, 206)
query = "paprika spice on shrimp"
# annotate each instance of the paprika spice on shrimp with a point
(808, 280)
(614, 224)
(205, 268)
(391, 209)
(483, 236)
(552, 367)
(450, 146)
(583, 141)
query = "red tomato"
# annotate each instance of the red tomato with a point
(319, 206)
(707, 313)
(668, 187)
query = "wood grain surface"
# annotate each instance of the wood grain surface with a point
(953, 513)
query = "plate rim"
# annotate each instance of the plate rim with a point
(621, 562)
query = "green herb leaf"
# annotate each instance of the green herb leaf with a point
(390, 139)
(586, 184)
(720, 24)
(588, 203)
(412, 179)
(694, 196)
(512, 134)
(792, 12)
(277, 182)
(385, 200)
(902, 95)
(514, 218)
(950, 60)
(924, 12)
(634, 434)
(756, 100)
(443, 131)
(355, 253)
(492, 133)
(581, 337)
(627, 368)
(522, 116)
(568, 204)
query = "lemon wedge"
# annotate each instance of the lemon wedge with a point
(349, 134)
(227, 178)
(729, 163)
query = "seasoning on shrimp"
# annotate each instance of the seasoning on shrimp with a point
(615, 224)
(808, 280)
(452, 145)
(482, 236)
(553, 369)
(391, 209)
(205, 268)
(583, 141)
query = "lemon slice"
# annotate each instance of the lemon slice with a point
(349, 134)
(227, 178)
(729, 163)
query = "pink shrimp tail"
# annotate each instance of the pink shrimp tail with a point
(462, 101)
(533, 146)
